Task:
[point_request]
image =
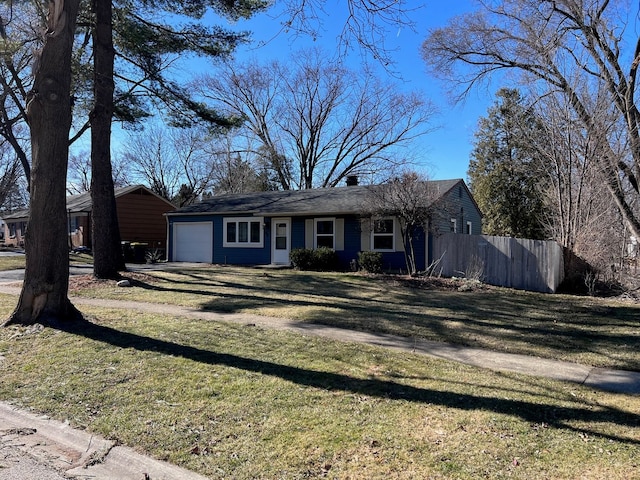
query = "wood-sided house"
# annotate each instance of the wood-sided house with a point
(140, 218)
(262, 228)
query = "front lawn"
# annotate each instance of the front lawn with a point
(245, 402)
(242, 402)
(592, 331)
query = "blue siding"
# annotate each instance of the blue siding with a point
(222, 255)
(297, 232)
(239, 256)
(395, 261)
(457, 203)
(420, 249)
(351, 241)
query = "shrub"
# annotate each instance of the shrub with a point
(154, 255)
(301, 258)
(322, 259)
(370, 262)
(325, 259)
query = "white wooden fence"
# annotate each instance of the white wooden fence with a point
(534, 265)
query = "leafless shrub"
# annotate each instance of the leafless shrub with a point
(475, 269)
(590, 281)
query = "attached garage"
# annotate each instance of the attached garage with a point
(193, 242)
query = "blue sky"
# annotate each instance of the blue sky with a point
(444, 153)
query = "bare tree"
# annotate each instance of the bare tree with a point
(171, 161)
(568, 181)
(575, 48)
(317, 121)
(234, 169)
(10, 171)
(79, 174)
(580, 214)
(44, 291)
(410, 199)
(366, 24)
(20, 38)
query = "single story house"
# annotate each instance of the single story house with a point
(262, 228)
(140, 218)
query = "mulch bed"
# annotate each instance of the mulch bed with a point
(80, 282)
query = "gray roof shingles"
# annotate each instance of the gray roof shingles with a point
(319, 201)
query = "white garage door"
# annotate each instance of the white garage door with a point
(193, 242)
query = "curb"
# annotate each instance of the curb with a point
(78, 454)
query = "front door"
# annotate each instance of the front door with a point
(280, 241)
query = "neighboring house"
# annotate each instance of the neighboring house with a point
(262, 228)
(140, 218)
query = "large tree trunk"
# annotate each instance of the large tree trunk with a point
(107, 252)
(46, 283)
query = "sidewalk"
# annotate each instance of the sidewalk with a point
(620, 381)
(604, 379)
(56, 447)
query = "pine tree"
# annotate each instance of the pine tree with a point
(142, 42)
(503, 173)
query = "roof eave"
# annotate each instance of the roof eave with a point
(236, 213)
(256, 213)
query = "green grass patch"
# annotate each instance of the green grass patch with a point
(17, 262)
(13, 262)
(242, 402)
(593, 331)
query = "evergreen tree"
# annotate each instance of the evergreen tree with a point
(503, 172)
(143, 41)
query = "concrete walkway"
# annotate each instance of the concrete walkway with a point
(45, 447)
(620, 381)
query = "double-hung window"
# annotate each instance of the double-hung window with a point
(325, 232)
(383, 234)
(243, 232)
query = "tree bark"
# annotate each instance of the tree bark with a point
(46, 283)
(108, 259)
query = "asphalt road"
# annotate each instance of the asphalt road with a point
(18, 465)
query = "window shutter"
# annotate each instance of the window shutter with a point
(365, 234)
(308, 233)
(398, 232)
(339, 234)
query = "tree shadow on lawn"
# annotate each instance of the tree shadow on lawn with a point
(262, 285)
(512, 322)
(533, 413)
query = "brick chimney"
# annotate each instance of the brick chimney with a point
(352, 180)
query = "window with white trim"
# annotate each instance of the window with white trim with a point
(325, 229)
(243, 232)
(469, 228)
(383, 234)
(454, 225)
